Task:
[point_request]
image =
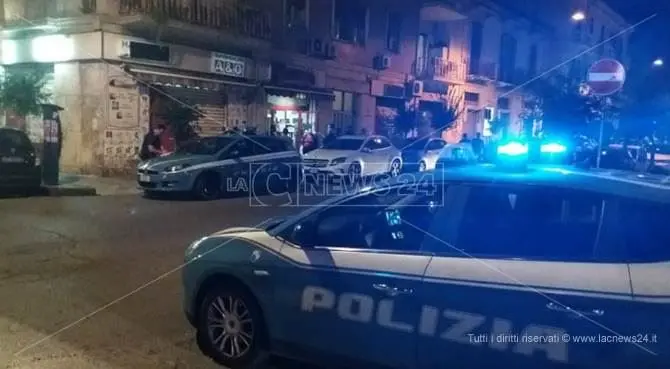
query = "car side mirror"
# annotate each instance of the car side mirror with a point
(303, 236)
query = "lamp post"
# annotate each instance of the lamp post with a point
(658, 62)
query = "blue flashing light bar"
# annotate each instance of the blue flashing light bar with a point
(513, 149)
(553, 148)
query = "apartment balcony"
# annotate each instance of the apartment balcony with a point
(513, 78)
(440, 69)
(483, 72)
(443, 11)
(227, 16)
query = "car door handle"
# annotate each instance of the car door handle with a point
(392, 291)
(577, 313)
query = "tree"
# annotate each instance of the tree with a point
(451, 112)
(181, 117)
(22, 91)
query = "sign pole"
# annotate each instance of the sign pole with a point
(600, 142)
(605, 77)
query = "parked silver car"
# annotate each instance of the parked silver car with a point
(354, 157)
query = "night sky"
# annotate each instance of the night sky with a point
(649, 40)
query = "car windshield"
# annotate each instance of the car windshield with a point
(205, 146)
(13, 139)
(344, 144)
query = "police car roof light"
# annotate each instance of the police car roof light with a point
(553, 148)
(513, 149)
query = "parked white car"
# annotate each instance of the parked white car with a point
(355, 157)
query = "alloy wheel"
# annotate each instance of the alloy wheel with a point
(230, 327)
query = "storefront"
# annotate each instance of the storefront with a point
(389, 105)
(293, 101)
(221, 97)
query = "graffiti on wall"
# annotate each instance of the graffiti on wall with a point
(123, 134)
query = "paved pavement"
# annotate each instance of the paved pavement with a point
(67, 260)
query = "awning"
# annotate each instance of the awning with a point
(292, 91)
(168, 76)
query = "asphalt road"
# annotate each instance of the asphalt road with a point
(87, 269)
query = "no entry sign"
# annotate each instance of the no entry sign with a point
(606, 77)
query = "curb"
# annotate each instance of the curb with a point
(57, 191)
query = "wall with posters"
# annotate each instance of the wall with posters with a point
(123, 132)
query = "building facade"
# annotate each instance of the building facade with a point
(294, 65)
(289, 65)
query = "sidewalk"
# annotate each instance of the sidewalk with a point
(87, 185)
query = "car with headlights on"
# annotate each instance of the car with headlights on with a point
(471, 267)
(19, 164)
(353, 157)
(210, 167)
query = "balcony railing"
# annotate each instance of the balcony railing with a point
(440, 69)
(39, 10)
(483, 70)
(226, 16)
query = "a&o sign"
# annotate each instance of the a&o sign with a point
(606, 77)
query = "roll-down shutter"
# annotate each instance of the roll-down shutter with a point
(212, 105)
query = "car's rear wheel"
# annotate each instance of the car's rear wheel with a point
(231, 329)
(396, 167)
(207, 187)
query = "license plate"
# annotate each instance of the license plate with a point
(145, 178)
(12, 159)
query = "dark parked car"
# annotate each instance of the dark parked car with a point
(19, 165)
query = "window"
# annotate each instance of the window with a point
(435, 145)
(240, 149)
(508, 47)
(644, 230)
(393, 32)
(13, 139)
(377, 143)
(350, 21)
(297, 14)
(389, 219)
(503, 103)
(471, 97)
(275, 145)
(477, 32)
(344, 101)
(537, 223)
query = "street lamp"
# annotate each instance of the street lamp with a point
(578, 16)
(658, 62)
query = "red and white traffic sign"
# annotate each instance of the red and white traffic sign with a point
(606, 77)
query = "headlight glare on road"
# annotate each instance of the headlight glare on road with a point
(338, 161)
(176, 168)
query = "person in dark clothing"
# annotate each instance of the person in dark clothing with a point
(478, 145)
(464, 138)
(151, 145)
(330, 137)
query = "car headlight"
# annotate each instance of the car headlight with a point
(176, 168)
(338, 161)
(190, 250)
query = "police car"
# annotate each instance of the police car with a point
(470, 267)
(210, 167)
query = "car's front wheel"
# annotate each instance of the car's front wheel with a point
(231, 329)
(207, 187)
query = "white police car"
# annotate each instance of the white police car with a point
(471, 267)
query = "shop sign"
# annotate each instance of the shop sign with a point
(228, 65)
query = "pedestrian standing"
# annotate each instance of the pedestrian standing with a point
(151, 144)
